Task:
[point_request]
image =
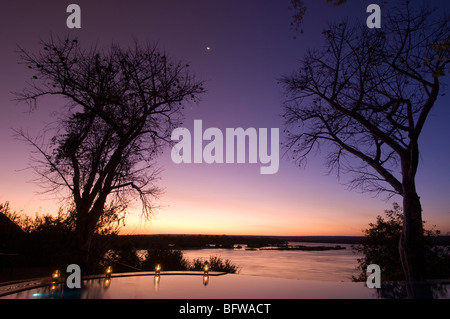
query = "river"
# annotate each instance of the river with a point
(328, 265)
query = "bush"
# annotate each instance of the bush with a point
(49, 240)
(169, 259)
(173, 260)
(215, 264)
(122, 258)
(380, 246)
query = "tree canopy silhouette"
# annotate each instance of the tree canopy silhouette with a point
(121, 105)
(299, 8)
(380, 244)
(365, 98)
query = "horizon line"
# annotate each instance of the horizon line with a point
(200, 234)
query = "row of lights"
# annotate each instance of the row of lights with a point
(158, 273)
(205, 269)
(55, 278)
(108, 272)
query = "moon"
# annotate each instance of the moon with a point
(208, 48)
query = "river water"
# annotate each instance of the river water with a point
(328, 265)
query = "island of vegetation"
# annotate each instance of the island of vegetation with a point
(185, 242)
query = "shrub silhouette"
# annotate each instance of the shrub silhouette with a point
(380, 246)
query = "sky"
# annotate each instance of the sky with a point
(251, 45)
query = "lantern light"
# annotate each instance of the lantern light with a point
(206, 269)
(108, 271)
(55, 275)
(158, 270)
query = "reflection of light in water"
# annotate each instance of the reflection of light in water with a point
(156, 282)
(205, 280)
(55, 277)
(107, 283)
(224, 287)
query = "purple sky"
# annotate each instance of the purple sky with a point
(251, 45)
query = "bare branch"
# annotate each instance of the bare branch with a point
(367, 95)
(121, 107)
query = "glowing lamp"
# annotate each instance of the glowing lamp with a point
(205, 269)
(158, 269)
(108, 271)
(55, 275)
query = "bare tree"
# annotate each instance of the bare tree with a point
(121, 106)
(365, 98)
(299, 9)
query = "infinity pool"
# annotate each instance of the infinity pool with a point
(194, 285)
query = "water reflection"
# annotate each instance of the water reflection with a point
(107, 282)
(55, 290)
(156, 280)
(205, 280)
(332, 265)
(179, 286)
(422, 290)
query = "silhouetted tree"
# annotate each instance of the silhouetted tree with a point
(299, 8)
(366, 97)
(46, 240)
(380, 246)
(120, 108)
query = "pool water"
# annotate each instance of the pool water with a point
(215, 286)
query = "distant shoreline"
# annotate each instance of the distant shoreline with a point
(316, 239)
(190, 241)
(252, 242)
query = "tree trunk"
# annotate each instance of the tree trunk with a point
(88, 215)
(83, 239)
(411, 240)
(84, 232)
(411, 245)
